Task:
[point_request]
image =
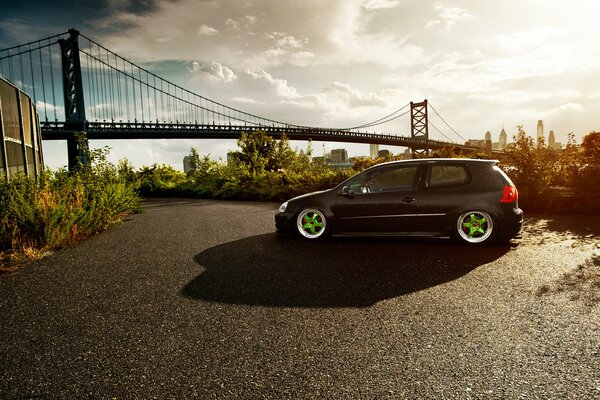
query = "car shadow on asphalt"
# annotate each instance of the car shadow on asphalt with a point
(264, 270)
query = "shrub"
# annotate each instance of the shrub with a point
(60, 208)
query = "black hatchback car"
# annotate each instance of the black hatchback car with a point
(472, 200)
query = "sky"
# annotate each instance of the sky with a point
(484, 65)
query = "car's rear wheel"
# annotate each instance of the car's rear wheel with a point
(475, 227)
(311, 224)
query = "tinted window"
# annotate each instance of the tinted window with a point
(445, 175)
(389, 179)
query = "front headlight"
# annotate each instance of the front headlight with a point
(283, 207)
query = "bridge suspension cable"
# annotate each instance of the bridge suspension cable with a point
(387, 118)
(31, 68)
(177, 104)
(448, 125)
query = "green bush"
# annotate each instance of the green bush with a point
(60, 208)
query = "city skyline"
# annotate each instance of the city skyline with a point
(485, 66)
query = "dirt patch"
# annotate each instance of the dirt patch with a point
(581, 284)
(578, 230)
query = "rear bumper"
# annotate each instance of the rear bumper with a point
(512, 224)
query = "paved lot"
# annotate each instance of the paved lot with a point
(199, 299)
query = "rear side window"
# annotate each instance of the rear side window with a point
(447, 175)
(394, 179)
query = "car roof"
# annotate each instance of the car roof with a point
(436, 160)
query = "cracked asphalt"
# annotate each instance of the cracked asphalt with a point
(199, 299)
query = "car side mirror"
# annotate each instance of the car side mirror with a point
(347, 192)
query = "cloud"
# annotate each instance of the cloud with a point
(353, 97)
(232, 24)
(206, 30)
(432, 23)
(303, 54)
(450, 16)
(245, 22)
(245, 100)
(570, 107)
(47, 111)
(286, 41)
(214, 70)
(528, 39)
(279, 86)
(284, 45)
(380, 4)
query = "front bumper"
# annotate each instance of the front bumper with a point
(284, 224)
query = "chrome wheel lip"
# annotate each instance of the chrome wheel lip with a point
(300, 225)
(475, 239)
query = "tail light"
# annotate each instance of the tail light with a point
(510, 195)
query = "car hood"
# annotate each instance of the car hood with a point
(311, 194)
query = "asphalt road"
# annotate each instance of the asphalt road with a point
(199, 299)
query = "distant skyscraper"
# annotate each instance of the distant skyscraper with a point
(488, 136)
(373, 149)
(551, 140)
(339, 156)
(383, 153)
(540, 129)
(187, 166)
(502, 139)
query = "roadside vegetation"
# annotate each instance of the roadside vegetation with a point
(61, 208)
(556, 181)
(262, 169)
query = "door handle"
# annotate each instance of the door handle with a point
(408, 199)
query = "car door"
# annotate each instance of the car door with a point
(379, 201)
(444, 191)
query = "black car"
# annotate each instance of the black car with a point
(473, 200)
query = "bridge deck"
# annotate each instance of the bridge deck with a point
(136, 130)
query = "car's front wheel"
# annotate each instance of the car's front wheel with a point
(311, 224)
(475, 227)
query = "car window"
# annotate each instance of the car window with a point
(446, 175)
(388, 179)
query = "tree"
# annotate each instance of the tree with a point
(531, 167)
(201, 166)
(591, 147)
(588, 182)
(449, 151)
(260, 152)
(255, 151)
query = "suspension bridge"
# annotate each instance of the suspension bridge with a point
(79, 85)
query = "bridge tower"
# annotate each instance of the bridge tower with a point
(73, 95)
(419, 127)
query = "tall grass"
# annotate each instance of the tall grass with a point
(60, 208)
